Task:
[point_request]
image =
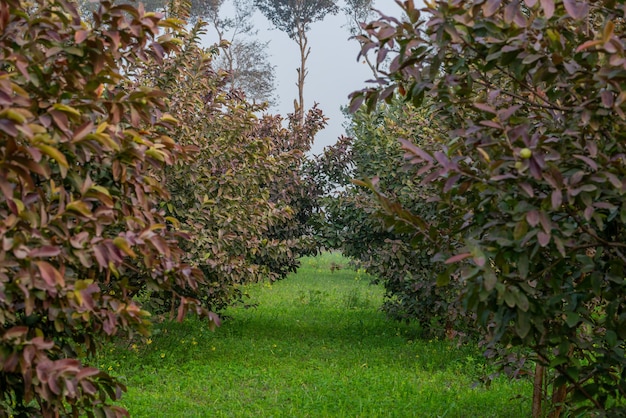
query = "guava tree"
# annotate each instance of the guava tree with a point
(351, 225)
(530, 96)
(226, 197)
(82, 154)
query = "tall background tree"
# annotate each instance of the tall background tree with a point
(244, 56)
(294, 17)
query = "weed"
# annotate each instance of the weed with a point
(355, 299)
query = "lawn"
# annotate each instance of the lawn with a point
(315, 346)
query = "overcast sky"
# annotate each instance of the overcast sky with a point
(333, 68)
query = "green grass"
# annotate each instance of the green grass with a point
(316, 346)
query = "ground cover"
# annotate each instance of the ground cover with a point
(315, 346)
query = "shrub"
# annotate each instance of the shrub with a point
(83, 151)
(239, 192)
(355, 226)
(530, 98)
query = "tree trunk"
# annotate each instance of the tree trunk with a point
(540, 372)
(303, 44)
(558, 399)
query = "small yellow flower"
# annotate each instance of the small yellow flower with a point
(134, 347)
(212, 348)
(149, 341)
(162, 355)
(194, 342)
(110, 368)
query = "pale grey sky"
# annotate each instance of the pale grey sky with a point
(333, 68)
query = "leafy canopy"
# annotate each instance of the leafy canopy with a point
(289, 15)
(530, 99)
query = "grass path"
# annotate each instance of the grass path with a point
(316, 346)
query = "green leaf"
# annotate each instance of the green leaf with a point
(479, 257)
(521, 301)
(122, 244)
(490, 279)
(509, 298)
(79, 207)
(611, 338)
(66, 109)
(522, 265)
(522, 325)
(443, 279)
(53, 153)
(572, 319)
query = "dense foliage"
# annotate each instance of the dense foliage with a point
(294, 187)
(372, 151)
(129, 172)
(224, 196)
(83, 152)
(530, 98)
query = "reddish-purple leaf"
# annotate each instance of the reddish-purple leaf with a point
(53, 384)
(532, 217)
(559, 245)
(215, 319)
(80, 35)
(49, 274)
(101, 254)
(614, 180)
(457, 258)
(556, 199)
(575, 9)
(490, 7)
(543, 238)
(485, 108)
(88, 387)
(182, 310)
(15, 333)
(607, 99)
(356, 103)
(415, 150)
(45, 251)
(491, 124)
(87, 372)
(592, 164)
(527, 188)
(545, 222)
(82, 131)
(505, 114)
(41, 344)
(588, 44)
(510, 11)
(548, 8)
(451, 182)
(386, 32)
(60, 119)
